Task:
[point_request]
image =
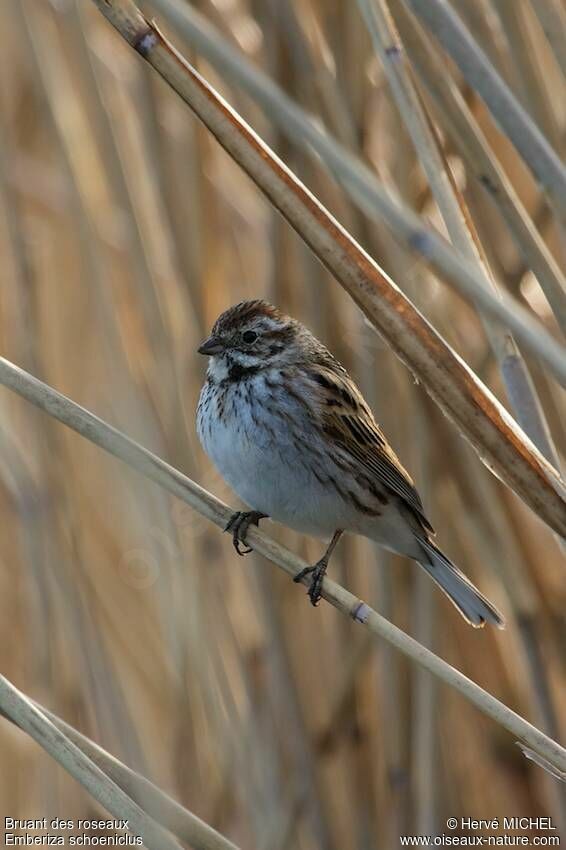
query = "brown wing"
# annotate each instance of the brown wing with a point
(348, 421)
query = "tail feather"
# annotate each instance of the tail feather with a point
(471, 604)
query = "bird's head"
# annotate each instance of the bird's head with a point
(251, 336)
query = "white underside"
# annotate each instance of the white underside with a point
(271, 474)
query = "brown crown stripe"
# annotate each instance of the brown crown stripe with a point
(245, 311)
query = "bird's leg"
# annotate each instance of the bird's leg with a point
(318, 570)
(238, 524)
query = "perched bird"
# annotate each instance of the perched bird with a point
(288, 429)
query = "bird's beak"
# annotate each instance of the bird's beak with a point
(212, 345)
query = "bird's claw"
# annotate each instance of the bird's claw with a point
(317, 571)
(238, 525)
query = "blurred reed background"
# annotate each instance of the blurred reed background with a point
(124, 231)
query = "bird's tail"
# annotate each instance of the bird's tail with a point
(474, 607)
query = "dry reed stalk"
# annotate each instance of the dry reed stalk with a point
(31, 720)
(361, 183)
(516, 377)
(532, 86)
(492, 432)
(443, 21)
(454, 114)
(111, 440)
(113, 586)
(552, 18)
(151, 800)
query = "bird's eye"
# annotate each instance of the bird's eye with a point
(249, 336)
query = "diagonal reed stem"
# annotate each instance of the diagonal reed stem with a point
(441, 19)
(30, 719)
(452, 113)
(364, 188)
(520, 388)
(154, 802)
(113, 441)
(490, 429)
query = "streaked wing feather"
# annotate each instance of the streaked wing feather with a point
(347, 419)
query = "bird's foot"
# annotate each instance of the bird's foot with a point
(317, 571)
(238, 525)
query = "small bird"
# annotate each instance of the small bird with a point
(291, 433)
